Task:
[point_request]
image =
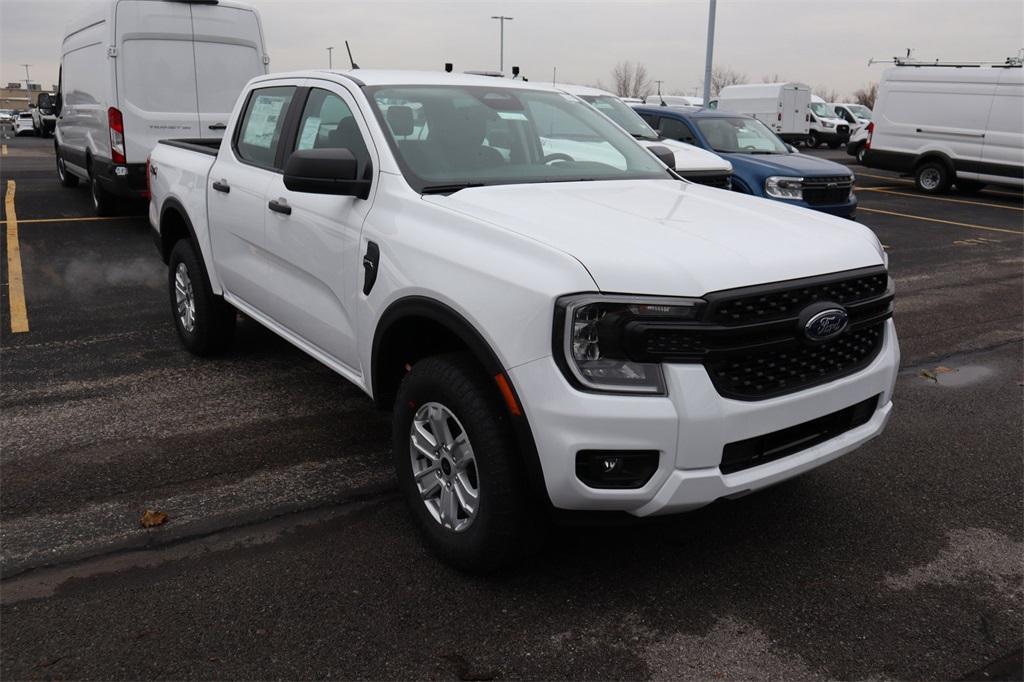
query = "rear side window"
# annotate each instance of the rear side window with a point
(260, 132)
(677, 130)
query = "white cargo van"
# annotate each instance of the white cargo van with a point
(674, 101)
(826, 125)
(783, 107)
(950, 125)
(136, 71)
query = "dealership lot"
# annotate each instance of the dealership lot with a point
(285, 537)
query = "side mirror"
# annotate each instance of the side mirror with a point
(792, 149)
(325, 171)
(664, 155)
(58, 104)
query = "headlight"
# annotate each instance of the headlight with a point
(780, 187)
(590, 331)
(827, 124)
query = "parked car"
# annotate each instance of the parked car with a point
(763, 165)
(826, 125)
(856, 146)
(693, 163)
(674, 101)
(135, 71)
(464, 279)
(783, 107)
(23, 123)
(950, 126)
(856, 115)
(7, 116)
(44, 118)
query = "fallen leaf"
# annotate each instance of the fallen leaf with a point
(928, 375)
(153, 518)
(944, 370)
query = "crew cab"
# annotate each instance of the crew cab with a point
(551, 334)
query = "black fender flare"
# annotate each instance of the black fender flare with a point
(453, 321)
(172, 204)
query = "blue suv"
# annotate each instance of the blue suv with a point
(763, 165)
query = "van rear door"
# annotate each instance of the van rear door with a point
(793, 109)
(1004, 136)
(156, 74)
(228, 53)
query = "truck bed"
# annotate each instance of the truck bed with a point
(208, 146)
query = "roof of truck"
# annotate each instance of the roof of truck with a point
(375, 77)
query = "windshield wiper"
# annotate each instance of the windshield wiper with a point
(449, 189)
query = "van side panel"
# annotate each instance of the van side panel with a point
(229, 52)
(86, 76)
(1003, 154)
(156, 90)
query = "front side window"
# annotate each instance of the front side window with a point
(618, 111)
(327, 123)
(677, 130)
(740, 136)
(446, 137)
(260, 131)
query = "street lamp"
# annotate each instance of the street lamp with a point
(501, 49)
(330, 57)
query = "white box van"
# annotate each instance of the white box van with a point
(783, 107)
(136, 71)
(950, 125)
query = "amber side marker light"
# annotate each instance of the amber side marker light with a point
(508, 395)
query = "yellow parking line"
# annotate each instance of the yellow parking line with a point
(3, 150)
(885, 190)
(15, 284)
(938, 220)
(76, 220)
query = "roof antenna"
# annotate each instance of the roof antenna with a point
(354, 65)
(659, 93)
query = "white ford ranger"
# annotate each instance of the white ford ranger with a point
(551, 333)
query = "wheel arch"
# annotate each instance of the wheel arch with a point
(414, 327)
(174, 225)
(936, 155)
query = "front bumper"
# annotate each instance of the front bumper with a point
(689, 428)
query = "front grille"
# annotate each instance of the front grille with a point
(721, 181)
(752, 340)
(843, 131)
(793, 366)
(827, 190)
(753, 452)
(787, 300)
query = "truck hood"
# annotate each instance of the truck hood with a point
(690, 158)
(665, 237)
(789, 164)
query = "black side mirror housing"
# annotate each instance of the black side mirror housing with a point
(325, 171)
(58, 104)
(664, 155)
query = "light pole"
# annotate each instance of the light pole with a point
(27, 79)
(330, 58)
(501, 49)
(711, 49)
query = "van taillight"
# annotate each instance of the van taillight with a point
(871, 132)
(116, 135)
(149, 187)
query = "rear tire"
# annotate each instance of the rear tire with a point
(205, 322)
(503, 523)
(102, 201)
(933, 177)
(862, 153)
(65, 177)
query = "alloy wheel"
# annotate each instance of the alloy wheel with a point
(444, 467)
(184, 299)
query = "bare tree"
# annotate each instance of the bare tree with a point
(631, 80)
(866, 95)
(826, 93)
(723, 76)
(772, 78)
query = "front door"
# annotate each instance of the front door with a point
(313, 249)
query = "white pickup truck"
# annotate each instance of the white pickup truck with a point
(551, 334)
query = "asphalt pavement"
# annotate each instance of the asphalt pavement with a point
(287, 554)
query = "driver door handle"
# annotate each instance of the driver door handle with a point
(222, 186)
(280, 206)
(218, 126)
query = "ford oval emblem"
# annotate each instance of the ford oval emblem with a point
(826, 324)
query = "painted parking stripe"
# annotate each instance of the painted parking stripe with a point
(15, 284)
(88, 219)
(886, 190)
(892, 178)
(3, 150)
(939, 220)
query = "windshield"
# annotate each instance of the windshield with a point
(740, 136)
(823, 110)
(859, 110)
(618, 111)
(448, 137)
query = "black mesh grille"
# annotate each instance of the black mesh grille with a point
(721, 181)
(795, 365)
(788, 303)
(827, 190)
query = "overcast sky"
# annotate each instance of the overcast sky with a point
(820, 42)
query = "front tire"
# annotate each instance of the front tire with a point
(933, 177)
(459, 468)
(813, 141)
(205, 322)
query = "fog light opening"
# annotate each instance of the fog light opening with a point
(616, 469)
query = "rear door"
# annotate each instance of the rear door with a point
(1004, 137)
(228, 53)
(793, 111)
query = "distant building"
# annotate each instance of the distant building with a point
(16, 96)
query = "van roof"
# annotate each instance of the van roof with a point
(103, 11)
(952, 74)
(759, 89)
